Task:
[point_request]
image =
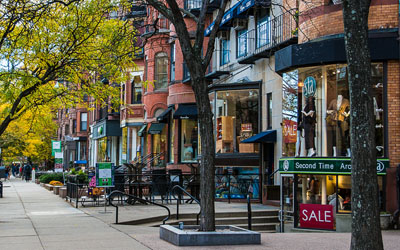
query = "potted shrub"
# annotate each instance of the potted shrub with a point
(385, 219)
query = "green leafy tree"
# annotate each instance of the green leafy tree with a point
(77, 43)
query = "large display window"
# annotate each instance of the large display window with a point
(189, 140)
(327, 190)
(316, 111)
(236, 114)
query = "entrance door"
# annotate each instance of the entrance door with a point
(286, 214)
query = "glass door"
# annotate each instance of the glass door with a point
(286, 213)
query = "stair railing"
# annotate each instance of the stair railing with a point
(248, 211)
(117, 193)
(179, 201)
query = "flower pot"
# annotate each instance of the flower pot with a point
(385, 221)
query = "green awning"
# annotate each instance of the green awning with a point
(142, 130)
(156, 128)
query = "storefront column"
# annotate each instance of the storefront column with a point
(323, 183)
(304, 189)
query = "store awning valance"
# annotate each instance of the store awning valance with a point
(186, 111)
(156, 128)
(163, 118)
(265, 136)
(142, 130)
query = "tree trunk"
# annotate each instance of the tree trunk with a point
(207, 174)
(366, 233)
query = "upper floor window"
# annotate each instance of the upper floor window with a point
(172, 62)
(83, 121)
(123, 94)
(224, 51)
(74, 126)
(136, 90)
(242, 43)
(263, 29)
(161, 71)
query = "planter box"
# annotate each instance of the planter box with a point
(225, 235)
(49, 187)
(42, 184)
(56, 189)
(37, 181)
(62, 192)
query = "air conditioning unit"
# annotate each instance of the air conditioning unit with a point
(239, 24)
(223, 35)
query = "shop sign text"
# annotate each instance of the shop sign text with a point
(316, 216)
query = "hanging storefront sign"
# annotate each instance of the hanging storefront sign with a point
(105, 174)
(55, 147)
(324, 165)
(316, 216)
(289, 131)
(310, 86)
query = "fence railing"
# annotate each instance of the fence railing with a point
(268, 35)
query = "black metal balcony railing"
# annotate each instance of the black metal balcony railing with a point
(193, 4)
(268, 36)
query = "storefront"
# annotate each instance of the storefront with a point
(316, 184)
(106, 136)
(236, 112)
(316, 192)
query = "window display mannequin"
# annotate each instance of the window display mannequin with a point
(309, 120)
(339, 110)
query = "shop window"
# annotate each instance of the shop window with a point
(189, 140)
(316, 111)
(82, 150)
(83, 122)
(136, 90)
(161, 71)
(102, 149)
(159, 147)
(171, 144)
(236, 113)
(235, 182)
(333, 190)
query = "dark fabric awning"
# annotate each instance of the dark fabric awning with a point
(142, 130)
(265, 136)
(186, 111)
(156, 128)
(163, 118)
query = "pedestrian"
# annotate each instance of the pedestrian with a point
(27, 171)
(21, 172)
(7, 172)
(14, 169)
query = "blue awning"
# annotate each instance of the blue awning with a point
(142, 130)
(245, 5)
(209, 28)
(228, 16)
(265, 136)
(80, 162)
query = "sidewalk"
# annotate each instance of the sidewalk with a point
(33, 218)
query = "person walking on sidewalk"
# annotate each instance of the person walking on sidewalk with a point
(27, 171)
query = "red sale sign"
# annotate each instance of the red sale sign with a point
(316, 216)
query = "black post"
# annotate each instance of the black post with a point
(177, 206)
(248, 212)
(116, 215)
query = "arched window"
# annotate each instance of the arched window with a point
(161, 71)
